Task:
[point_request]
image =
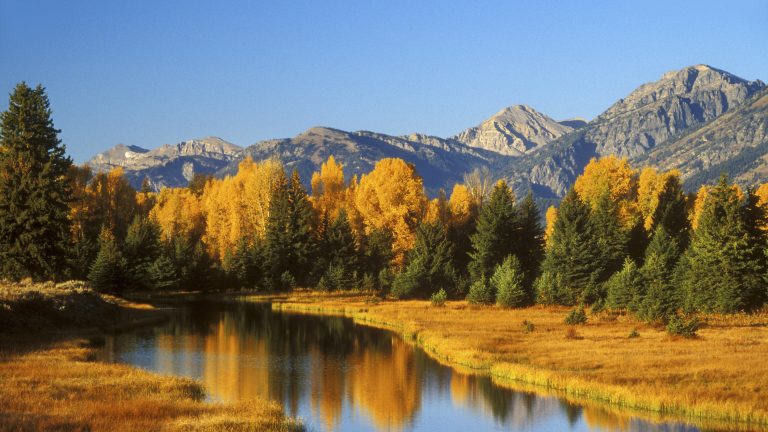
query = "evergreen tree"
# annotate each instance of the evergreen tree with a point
(573, 254)
(611, 237)
(163, 274)
(429, 266)
(246, 263)
(290, 243)
(339, 253)
(34, 189)
(530, 243)
(672, 212)
(377, 254)
(141, 248)
(626, 288)
(108, 271)
(509, 283)
(661, 299)
(496, 233)
(725, 262)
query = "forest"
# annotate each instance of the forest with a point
(623, 238)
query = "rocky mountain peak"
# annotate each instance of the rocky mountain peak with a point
(514, 131)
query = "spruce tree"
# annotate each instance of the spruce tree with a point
(626, 288)
(725, 262)
(108, 271)
(246, 263)
(573, 254)
(610, 235)
(339, 252)
(496, 234)
(661, 298)
(672, 212)
(34, 190)
(430, 264)
(376, 254)
(530, 242)
(141, 248)
(290, 243)
(509, 283)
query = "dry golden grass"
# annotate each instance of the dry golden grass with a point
(61, 389)
(57, 387)
(722, 375)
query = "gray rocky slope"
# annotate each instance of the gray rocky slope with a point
(696, 119)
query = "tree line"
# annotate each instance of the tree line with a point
(621, 238)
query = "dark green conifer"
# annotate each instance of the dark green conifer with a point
(530, 242)
(141, 248)
(108, 271)
(34, 190)
(573, 254)
(430, 264)
(496, 234)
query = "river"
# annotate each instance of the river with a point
(339, 376)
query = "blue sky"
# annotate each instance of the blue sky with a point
(154, 72)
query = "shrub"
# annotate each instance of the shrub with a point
(385, 279)
(480, 293)
(528, 326)
(508, 282)
(633, 334)
(369, 282)
(287, 281)
(438, 299)
(625, 287)
(550, 289)
(681, 326)
(576, 316)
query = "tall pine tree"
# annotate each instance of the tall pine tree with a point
(496, 234)
(34, 190)
(726, 264)
(530, 243)
(430, 264)
(572, 260)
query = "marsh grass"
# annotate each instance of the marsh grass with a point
(721, 376)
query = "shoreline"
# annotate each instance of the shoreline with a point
(466, 358)
(51, 379)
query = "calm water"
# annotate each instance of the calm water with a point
(337, 375)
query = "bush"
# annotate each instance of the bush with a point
(508, 282)
(576, 316)
(571, 333)
(625, 287)
(633, 334)
(369, 282)
(287, 281)
(681, 326)
(550, 289)
(385, 279)
(480, 293)
(528, 326)
(438, 299)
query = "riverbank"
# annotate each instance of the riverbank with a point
(49, 379)
(719, 379)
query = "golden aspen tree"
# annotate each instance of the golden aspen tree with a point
(328, 189)
(392, 197)
(650, 184)
(462, 205)
(438, 209)
(114, 201)
(178, 212)
(615, 176)
(550, 217)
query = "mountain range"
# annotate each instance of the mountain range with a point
(699, 120)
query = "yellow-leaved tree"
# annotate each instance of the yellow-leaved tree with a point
(237, 207)
(650, 185)
(328, 190)
(178, 212)
(550, 217)
(392, 197)
(463, 205)
(113, 201)
(615, 176)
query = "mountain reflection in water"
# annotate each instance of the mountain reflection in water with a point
(337, 375)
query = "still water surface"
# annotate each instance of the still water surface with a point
(337, 375)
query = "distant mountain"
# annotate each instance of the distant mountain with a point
(514, 131)
(169, 165)
(441, 162)
(735, 143)
(652, 115)
(700, 120)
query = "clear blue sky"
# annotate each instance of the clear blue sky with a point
(155, 72)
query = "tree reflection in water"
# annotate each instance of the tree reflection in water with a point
(339, 375)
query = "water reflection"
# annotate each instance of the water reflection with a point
(340, 376)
